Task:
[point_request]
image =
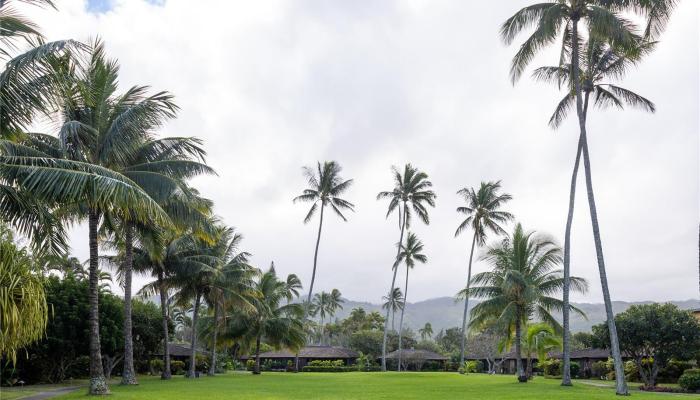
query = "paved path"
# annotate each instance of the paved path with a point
(51, 393)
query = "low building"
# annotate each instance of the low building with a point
(507, 363)
(181, 352)
(696, 313)
(281, 358)
(412, 359)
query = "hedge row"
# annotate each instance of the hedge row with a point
(351, 368)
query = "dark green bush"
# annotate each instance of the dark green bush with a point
(310, 368)
(690, 380)
(575, 369)
(551, 367)
(157, 365)
(326, 363)
(673, 370)
(177, 367)
(599, 369)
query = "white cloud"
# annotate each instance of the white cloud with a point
(271, 86)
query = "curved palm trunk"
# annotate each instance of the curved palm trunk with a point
(620, 385)
(212, 364)
(466, 304)
(256, 370)
(128, 373)
(98, 383)
(164, 312)
(405, 296)
(193, 359)
(518, 352)
(393, 283)
(313, 273)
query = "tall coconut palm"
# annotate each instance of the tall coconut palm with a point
(600, 63)
(325, 188)
(160, 167)
(426, 332)
(411, 191)
(605, 23)
(409, 254)
(326, 304)
(393, 303)
(483, 215)
(520, 286)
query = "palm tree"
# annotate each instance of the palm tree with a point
(483, 215)
(160, 168)
(426, 332)
(520, 285)
(412, 188)
(393, 303)
(600, 63)
(326, 304)
(325, 187)
(409, 254)
(540, 339)
(605, 23)
(96, 134)
(274, 318)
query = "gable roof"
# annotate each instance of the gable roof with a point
(409, 354)
(321, 352)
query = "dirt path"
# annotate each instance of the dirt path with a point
(51, 393)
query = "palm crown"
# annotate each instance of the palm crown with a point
(482, 210)
(411, 187)
(325, 186)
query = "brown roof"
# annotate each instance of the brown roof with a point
(602, 354)
(181, 350)
(322, 352)
(413, 354)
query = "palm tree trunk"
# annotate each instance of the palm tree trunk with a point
(313, 273)
(466, 304)
(620, 385)
(256, 370)
(166, 374)
(393, 315)
(405, 296)
(193, 358)
(98, 383)
(393, 283)
(128, 374)
(518, 351)
(212, 365)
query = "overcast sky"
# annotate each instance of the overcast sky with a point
(272, 86)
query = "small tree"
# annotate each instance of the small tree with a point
(653, 334)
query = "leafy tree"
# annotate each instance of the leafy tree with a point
(654, 334)
(325, 187)
(393, 303)
(556, 19)
(426, 332)
(409, 254)
(23, 308)
(483, 215)
(412, 188)
(582, 340)
(449, 339)
(520, 285)
(326, 304)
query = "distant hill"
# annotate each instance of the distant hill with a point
(444, 312)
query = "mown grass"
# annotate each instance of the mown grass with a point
(356, 385)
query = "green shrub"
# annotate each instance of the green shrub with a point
(177, 367)
(157, 365)
(690, 380)
(326, 363)
(673, 370)
(551, 367)
(250, 364)
(599, 369)
(311, 368)
(575, 369)
(631, 371)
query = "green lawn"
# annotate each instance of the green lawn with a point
(358, 385)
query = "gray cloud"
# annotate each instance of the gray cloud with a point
(272, 86)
